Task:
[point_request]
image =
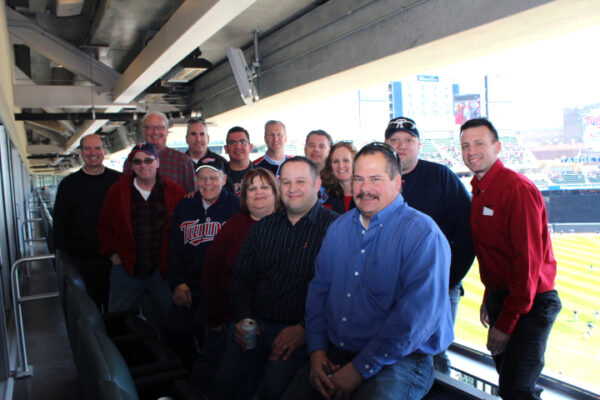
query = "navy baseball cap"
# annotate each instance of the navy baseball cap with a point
(401, 124)
(145, 147)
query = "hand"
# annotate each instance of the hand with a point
(190, 194)
(497, 341)
(115, 259)
(182, 295)
(288, 340)
(345, 381)
(320, 370)
(239, 334)
(483, 316)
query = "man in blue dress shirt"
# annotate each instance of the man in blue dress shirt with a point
(377, 309)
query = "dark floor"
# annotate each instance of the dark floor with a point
(48, 351)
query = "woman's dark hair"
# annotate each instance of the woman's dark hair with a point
(268, 178)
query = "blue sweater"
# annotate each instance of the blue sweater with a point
(192, 231)
(435, 190)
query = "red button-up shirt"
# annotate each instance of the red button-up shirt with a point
(509, 226)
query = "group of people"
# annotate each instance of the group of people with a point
(348, 261)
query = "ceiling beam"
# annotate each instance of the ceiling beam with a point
(190, 26)
(41, 96)
(60, 51)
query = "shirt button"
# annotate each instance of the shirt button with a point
(380, 225)
(371, 370)
(363, 232)
(348, 294)
(385, 355)
(355, 273)
(367, 366)
(362, 251)
(344, 319)
(341, 344)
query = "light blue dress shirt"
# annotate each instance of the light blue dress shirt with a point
(381, 292)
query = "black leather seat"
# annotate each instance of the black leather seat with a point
(99, 362)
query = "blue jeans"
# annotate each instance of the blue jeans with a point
(241, 372)
(521, 363)
(441, 362)
(409, 378)
(126, 292)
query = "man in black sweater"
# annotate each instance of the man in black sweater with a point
(77, 208)
(435, 190)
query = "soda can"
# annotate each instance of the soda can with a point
(249, 329)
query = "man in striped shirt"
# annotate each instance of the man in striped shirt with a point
(270, 281)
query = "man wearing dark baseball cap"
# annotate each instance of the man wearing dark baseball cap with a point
(196, 222)
(133, 232)
(435, 190)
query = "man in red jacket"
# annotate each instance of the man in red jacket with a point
(133, 232)
(509, 227)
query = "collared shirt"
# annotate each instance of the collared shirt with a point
(381, 292)
(175, 166)
(148, 221)
(509, 226)
(275, 265)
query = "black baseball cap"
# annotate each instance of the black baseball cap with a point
(401, 124)
(209, 161)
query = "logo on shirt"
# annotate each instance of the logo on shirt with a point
(195, 233)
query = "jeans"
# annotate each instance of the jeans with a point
(411, 377)
(521, 363)
(185, 329)
(126, 292)
(441, 362)
(241, 372)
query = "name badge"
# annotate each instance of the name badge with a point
(488, 211)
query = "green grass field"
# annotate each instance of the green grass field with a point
(573, 350)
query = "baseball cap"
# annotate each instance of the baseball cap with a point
(211, 162)
(145, 147)
(401, 124)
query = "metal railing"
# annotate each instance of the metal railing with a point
(22, 369)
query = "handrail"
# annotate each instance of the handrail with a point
(45, 209)
(22, 370)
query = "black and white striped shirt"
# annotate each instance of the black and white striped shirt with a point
(276, 264)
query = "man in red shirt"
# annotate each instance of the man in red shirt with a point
(509, 226)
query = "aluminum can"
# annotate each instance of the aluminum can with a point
(249, 329)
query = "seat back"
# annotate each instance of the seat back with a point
(80, 306)
(100, 360)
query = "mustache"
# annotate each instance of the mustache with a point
(361, 195)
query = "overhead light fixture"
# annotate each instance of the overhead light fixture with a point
(188, 69)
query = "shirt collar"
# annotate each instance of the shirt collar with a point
(483, 184)
(383, 215)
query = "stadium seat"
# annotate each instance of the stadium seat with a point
(99, 361)
(143, 352)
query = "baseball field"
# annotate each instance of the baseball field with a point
(573, 352)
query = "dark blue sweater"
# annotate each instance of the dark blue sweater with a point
(192, 231)
(435, 190)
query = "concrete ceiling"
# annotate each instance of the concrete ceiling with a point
(110, 53)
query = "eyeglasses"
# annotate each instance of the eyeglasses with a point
(211, 178)
(147, 161)
(241, 142)
(402, 123)
(385, 147)
(154, 127)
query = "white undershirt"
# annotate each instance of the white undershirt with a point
(145, 193)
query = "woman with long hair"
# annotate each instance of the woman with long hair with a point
(337, 177)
